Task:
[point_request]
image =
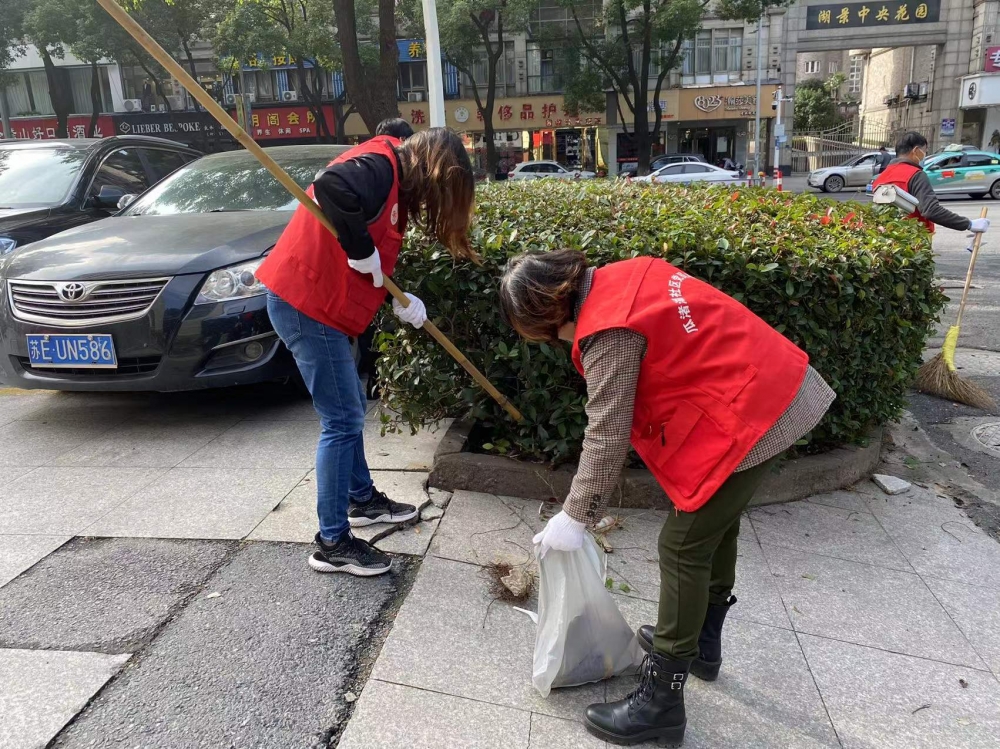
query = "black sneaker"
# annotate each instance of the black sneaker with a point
(351, 555)
(379, 509)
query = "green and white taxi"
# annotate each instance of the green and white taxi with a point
(976, 173)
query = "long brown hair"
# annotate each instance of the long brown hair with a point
(539, 290)
(438, 188)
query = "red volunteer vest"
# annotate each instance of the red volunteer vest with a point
(900, 174)
(715, 377)
(308, 267)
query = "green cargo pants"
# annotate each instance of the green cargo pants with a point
(698, 562)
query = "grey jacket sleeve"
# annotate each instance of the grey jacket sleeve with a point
(930, 207)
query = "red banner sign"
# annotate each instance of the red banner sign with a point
(287, 122)
(44, 128)
(992, 60)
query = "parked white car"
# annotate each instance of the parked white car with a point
(691, 172)
(547, 170)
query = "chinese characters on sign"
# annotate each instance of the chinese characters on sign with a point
(992, 60)
(861, 15)
(44, 128)
(295, 122)
(683, 310)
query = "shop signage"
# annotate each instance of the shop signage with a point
(722, 102)
(948, 127)
(867, 14)
(528, 113)
(287, 122)
(44, 128)
(979, 90)
(992, 63)
(185, 125)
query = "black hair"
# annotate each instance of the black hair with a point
(396, 127)
(910, 141)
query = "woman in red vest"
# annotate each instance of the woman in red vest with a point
(709, 395)
(324, 293)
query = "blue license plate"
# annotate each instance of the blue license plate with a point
(93, 351)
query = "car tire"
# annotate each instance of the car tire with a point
(833, 183)
(995, 190)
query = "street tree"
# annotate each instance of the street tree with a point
(11, 47)
(46, 32)
(299, 33)
(815, 108)
(366, 34)
(632, 42)
(474, 32)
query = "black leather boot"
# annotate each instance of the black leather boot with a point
(653, 712)
(706, 666)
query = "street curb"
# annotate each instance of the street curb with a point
(455, 470)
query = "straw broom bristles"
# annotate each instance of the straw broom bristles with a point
(939, 376)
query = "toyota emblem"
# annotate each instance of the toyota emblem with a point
(71, 292)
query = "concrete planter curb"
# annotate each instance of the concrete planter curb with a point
(455, 470)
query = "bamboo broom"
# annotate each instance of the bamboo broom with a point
(204, 98)
(939, 376)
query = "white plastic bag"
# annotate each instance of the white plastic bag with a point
(581, 637)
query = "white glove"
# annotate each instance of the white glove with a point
(979, 225)
(371, 264)
(561, 533)
(415, 314)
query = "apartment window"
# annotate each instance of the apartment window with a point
(703, 52)
(716, 51)
(543, 70)
(855, 74)
(413, 76)
(812, 66)
(834, 67)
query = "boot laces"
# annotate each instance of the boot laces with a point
(644, 692)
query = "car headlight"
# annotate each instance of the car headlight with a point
(7, 245)
(234, 282)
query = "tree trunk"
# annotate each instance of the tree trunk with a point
(313, 102)
(340, 115)
(372, 92)
(203, 137)
(489, 132)
(59, 93)
(95, 98)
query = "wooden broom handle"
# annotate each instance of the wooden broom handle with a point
(212, 106)
(972, 266)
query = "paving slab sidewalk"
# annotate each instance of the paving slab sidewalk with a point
(853, 629)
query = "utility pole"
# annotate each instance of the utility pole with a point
(756, 125)
(778, 133)
(435, 79)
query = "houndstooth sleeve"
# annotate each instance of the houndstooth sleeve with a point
(611, 363)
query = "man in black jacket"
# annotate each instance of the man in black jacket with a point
(883, 160)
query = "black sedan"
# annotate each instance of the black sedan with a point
(48, 186)
(162, 296)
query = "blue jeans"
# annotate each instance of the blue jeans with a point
(324, 358)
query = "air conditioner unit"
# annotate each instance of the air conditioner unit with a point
(289, 95)
(250, 97)
(922, 90)
(911, 91)
(231, 99)
(415, 96)
(133, 105)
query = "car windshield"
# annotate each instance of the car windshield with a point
(38, 177)
(232, 181)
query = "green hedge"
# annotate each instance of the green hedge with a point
(852, 285)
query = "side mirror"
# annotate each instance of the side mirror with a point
(107, 199)
(125, 201)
